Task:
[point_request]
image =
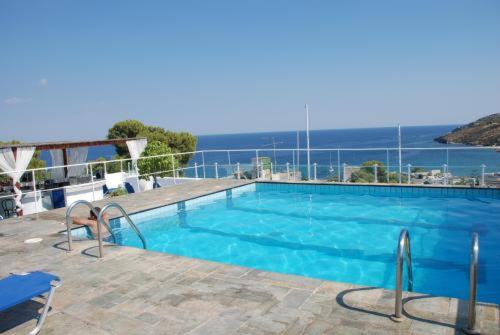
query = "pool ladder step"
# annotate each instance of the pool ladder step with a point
(404, 250)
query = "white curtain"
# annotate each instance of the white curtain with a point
(136, 148)
(15, 167)
(77, 156)
(57, 160)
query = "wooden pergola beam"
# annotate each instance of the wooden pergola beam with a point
(68, 145)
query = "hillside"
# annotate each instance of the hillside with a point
(485, 131)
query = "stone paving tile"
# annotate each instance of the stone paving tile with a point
(295, 298)
(313, 327)
(218, 326)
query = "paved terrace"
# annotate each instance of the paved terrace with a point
(132, 291)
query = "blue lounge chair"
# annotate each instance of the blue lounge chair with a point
(19, 288)
(129, 188)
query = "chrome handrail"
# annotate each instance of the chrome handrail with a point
(125, 215)
(403, 247)
(68, 218)
(474, 257)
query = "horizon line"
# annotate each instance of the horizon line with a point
(326, 129)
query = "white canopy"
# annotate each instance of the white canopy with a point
(77, 156)
(57, 160)
(16, 166)
(136, 148)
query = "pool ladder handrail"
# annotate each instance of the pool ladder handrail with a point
(69, 219)
(474, 257)
(403, 249)
(100, 220)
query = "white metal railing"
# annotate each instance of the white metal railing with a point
(230, 163)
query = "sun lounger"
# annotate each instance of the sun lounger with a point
(18, 288)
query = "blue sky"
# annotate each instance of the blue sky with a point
(69, 70)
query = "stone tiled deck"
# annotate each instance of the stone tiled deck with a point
(132, 291)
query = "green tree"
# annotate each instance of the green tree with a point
(418, 169)
(36, 163)
(110, 167)
(125, 129)
(153, 166)
(366, 174)
(177, 142)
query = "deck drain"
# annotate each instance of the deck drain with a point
(33, 240)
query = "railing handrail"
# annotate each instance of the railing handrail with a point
(403, 249)
(250, 150)
(474, 257)
(100, 221)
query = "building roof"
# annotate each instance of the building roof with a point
(68, 145)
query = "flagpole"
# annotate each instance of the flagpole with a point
(298, 152)
(308, 147)
(399, 153)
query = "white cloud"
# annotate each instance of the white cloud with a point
(16, 100)
(44, 82)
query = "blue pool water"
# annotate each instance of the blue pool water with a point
(340, 233)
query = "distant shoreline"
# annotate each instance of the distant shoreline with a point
(326, 129)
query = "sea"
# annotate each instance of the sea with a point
(460, 162)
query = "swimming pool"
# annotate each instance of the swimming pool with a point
(333, 232)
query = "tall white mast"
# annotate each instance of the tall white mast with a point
(399, 153)
(298, 151)
(308, 148)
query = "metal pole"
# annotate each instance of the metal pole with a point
(229, 158)
(388, 166)
(121, 166)
(375, 172)
(445, 174)
(315, 168)
(338, 163)
(195, 170)
(173, 167)
(483, 167)
(474, 258)
(99, 237)
(203, 162)
(238, 171)
(257, 163)
(92, 181)
(403, 248)
(308, 146)
(34, 189)
(344, 180)
(287, 171)
(400, 154)
(409, 174)
(293, 163)
(298, 151)
(105, 170)
(216, 170)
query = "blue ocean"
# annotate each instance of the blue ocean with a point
(460, 162)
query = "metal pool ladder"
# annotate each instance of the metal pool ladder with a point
(474, 256)
(403, 250)
(69, 220)
(100, 221)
